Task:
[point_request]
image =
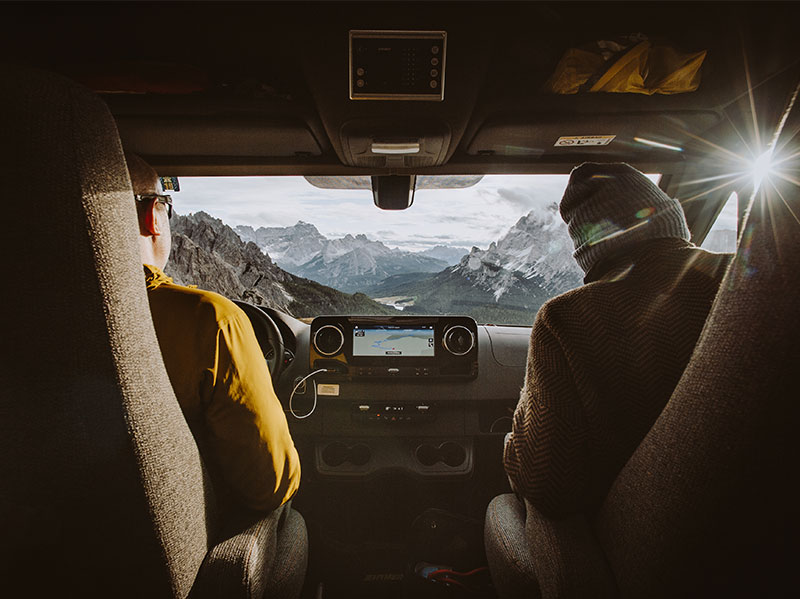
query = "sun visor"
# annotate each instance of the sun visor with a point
(181, 136)
(139, 77)
(610, 136)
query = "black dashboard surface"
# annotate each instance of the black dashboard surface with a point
(502, 355)
(433, 428)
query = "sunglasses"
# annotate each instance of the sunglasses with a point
(161, 199)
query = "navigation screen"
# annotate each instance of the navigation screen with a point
(393, 341)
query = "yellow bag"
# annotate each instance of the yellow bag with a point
(644, 68)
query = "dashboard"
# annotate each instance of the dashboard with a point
(425, 396)
(399, 347)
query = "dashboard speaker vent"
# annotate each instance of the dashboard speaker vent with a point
(458, 340)
(329, 340)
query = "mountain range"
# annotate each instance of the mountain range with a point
(350, 263)
(506, 283)
(208, 253)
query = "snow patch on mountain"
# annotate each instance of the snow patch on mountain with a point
(451, 255)
(288, 247)
(350, 263)
(537, 247)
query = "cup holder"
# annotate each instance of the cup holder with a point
(336, 454)
(452, 454)
(427, 455)
(359, 454)
(449, 453)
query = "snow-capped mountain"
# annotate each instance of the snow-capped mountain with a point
(507, 282)
(349, 263)
(364, 266)
(537, 248)
(451, 255)
(206, 252)
(288, 247)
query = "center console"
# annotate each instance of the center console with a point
(380, 414)
(406, 347)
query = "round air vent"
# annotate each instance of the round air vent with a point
(458, 340)
(328, 340)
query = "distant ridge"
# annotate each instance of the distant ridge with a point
(506, 283)
(350, 263)
(208, 253)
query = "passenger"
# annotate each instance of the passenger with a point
(217, 370)
(604, 358)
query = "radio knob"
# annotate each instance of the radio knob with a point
(328, 340)
(458, 340)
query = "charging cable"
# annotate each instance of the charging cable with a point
(297, 386)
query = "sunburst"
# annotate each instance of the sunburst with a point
(762, 165)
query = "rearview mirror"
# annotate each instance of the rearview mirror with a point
(393, 192)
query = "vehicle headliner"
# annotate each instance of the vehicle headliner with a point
(275, 77)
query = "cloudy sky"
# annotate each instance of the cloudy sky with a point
(474, 216)
(455, 217)
(729, 215)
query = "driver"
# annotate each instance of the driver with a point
(217, 370)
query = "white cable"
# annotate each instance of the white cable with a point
(297, 386)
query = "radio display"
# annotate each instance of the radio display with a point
(388, 340)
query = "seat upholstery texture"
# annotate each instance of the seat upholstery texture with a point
(533, 556)
(103, 491)
(510, 561)
(268, 559)
(706, 505)
(102, 480)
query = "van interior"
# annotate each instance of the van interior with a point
(400, 457)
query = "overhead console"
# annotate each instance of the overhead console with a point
(408, 347)
(397, 65)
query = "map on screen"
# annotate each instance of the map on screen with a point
(393, 341)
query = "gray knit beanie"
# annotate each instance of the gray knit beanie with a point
(608, 206)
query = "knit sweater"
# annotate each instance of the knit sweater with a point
(603, 361)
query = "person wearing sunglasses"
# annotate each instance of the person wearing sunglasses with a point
(166, 200)
(217, 371)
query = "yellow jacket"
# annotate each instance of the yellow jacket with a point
(224, 388)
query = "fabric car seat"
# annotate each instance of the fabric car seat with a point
(103, 490)
(706, 506)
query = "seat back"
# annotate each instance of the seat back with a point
(706, 505)
(103, 490)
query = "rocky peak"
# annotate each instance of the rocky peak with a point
(537, 246)
(208, 253)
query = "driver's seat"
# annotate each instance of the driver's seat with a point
(103, 490)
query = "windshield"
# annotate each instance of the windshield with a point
(495, 251)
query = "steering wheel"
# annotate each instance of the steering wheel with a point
(269, 337)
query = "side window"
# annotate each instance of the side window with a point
(723, 233)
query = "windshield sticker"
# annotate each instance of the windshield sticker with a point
(170, 184)
(585, 140)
